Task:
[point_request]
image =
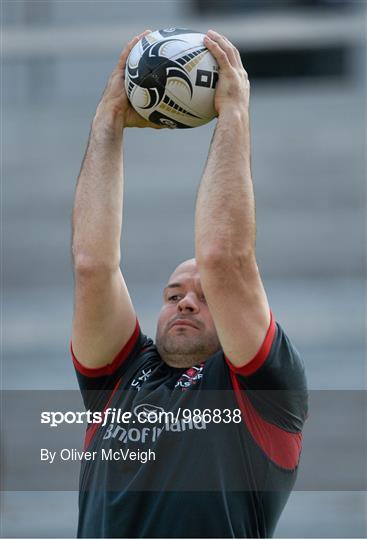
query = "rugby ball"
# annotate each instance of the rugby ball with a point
(170, 78)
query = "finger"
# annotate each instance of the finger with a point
(218, 53)
(125, 53)
(238, 56)
(228, 42)
(239, 59)
(236, 51)
(225, 44)
(145, 33)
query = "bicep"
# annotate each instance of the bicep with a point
(238, 304)
(104, 317)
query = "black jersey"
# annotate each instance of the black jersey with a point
(226, 472)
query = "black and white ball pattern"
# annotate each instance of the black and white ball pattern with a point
(170, 78)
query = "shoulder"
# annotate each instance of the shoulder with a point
(277, 364)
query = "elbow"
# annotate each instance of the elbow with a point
(221, 261)
(87, 266)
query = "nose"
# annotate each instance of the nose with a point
(188, 304)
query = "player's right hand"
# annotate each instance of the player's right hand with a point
(114, 105)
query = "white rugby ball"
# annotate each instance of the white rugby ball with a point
(170, 78)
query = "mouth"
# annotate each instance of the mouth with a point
(183, 322)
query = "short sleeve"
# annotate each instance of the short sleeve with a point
(271, 391)
(96, 384)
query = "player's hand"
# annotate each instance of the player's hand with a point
(233, 88)
(115, 106)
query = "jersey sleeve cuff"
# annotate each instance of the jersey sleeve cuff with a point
(258, 360)
(115, 364)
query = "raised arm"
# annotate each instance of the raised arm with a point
(104, 317)
(225, 217)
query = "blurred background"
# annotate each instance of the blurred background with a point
(307, 65)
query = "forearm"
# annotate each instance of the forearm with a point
(97, 213)
(225, 209)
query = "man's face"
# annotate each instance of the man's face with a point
(186, 334)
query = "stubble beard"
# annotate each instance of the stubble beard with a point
(183, 350)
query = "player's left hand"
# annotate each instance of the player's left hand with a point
(233, 88)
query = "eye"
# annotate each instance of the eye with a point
(174, 298)
(202, 299)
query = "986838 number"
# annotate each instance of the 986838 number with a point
(217, 416)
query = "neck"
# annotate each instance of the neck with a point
(182, 360)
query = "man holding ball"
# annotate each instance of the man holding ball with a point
(227, 468)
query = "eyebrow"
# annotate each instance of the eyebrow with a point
(173, 286)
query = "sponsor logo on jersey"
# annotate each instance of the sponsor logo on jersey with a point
(190, 377)
(149, 433)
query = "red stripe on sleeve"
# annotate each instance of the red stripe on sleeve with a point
(116, 363)
(92, 430)
(260, 357)
(281, 447)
